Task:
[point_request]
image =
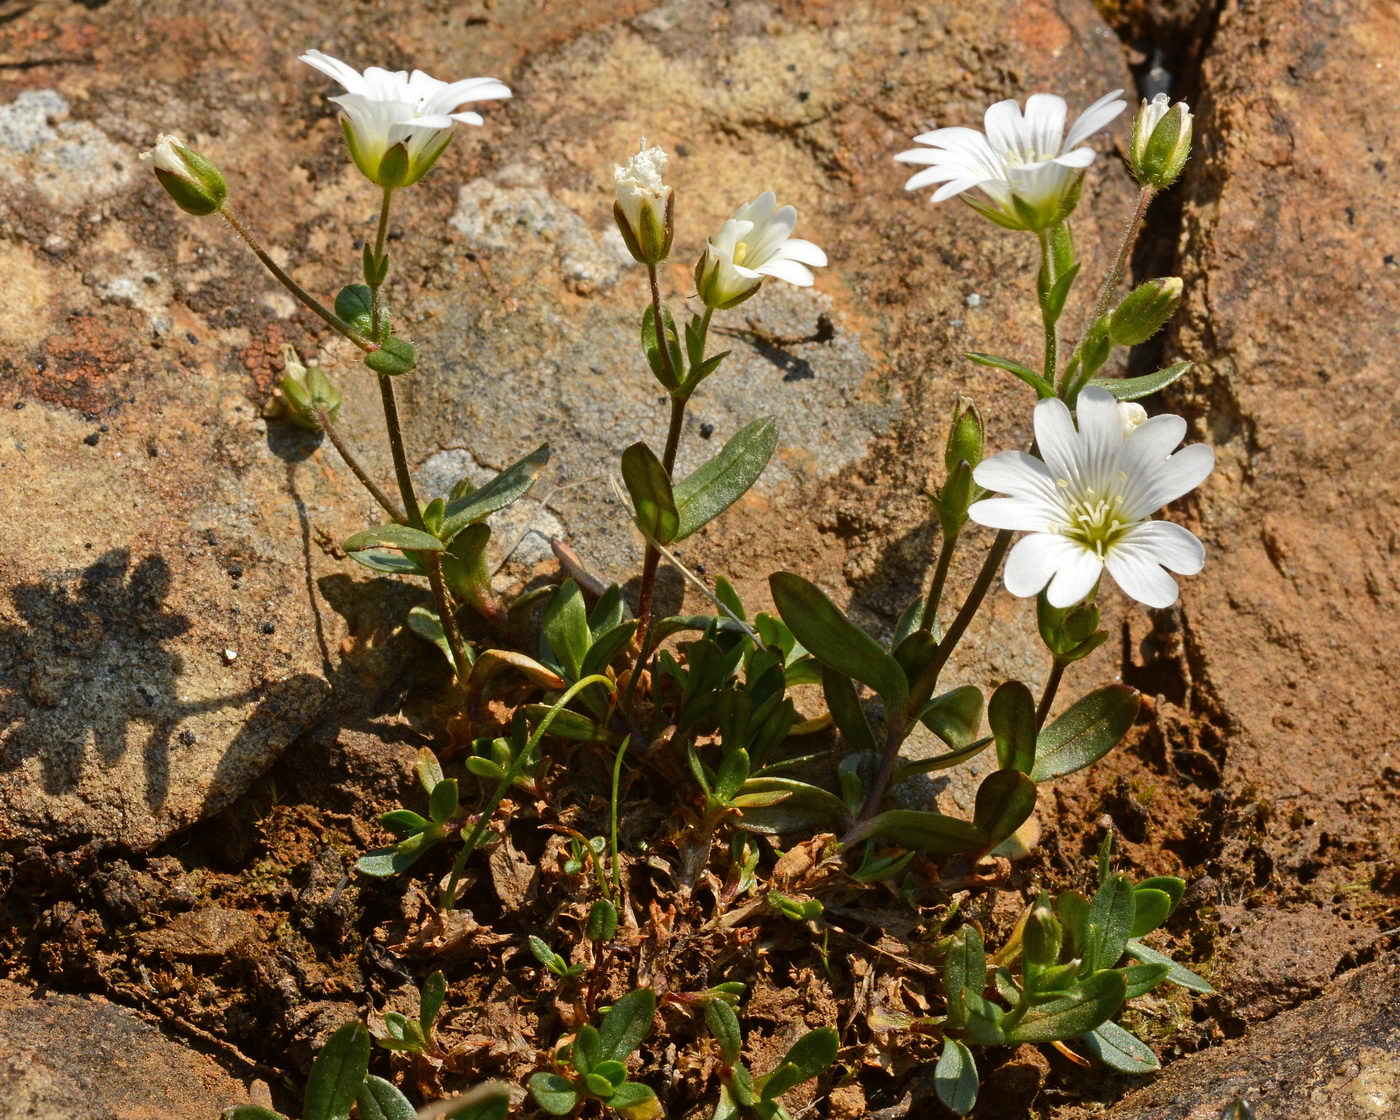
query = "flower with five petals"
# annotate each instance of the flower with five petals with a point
(755, 243)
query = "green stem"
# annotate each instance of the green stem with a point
(306, 298)
(376, 303)
(449, 895)
(1047, 697)
(1114, 274)
(940, 577)
(431, 562)
(359, 472)
(662, 344)
(1049, 275)
(616, 781)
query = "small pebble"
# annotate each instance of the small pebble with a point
(973, 300)
(269, 628)
(230, 656)
(91, 439)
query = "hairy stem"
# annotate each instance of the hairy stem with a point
(385, 502)
(940, 577)
(302, 295)
(1052, 328)
(376, 302)
(1047, 697)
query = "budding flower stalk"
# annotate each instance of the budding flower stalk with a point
(755, 243)
(1161, 142)
(1145, 310)
(645, 206)
(196, 185)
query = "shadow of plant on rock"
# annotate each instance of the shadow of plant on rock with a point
(90, 660)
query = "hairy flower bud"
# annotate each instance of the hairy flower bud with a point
(1161, 142)
(307, 393)
(645, 206)
(965, 437)
(1145, 310)
(192, 181)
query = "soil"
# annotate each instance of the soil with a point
(225, 911)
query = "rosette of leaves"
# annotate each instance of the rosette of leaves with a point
(593, 1066)
(417, 834)
(756, 1098)
(415, 1036)
(340, 1080)
(1065, 975)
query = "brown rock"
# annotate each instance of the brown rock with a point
(83, 1058)
(1334, 1058)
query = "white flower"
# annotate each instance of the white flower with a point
(1026, 164)
(1161, 141)
(1087, 503)
(755, 243)
(643, 209)
(396, 123)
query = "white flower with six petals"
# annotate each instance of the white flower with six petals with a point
(1025, 162)
(397, 123)
(1087, 503)
(755, 243)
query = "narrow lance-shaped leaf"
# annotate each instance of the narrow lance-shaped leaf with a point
(712, 488)
(1090, 729)
(506, 487)
(931, 833)
(1093, 1002)
(1011, 714)
(1133, 388)
(337, 1074)
(837, 642)
(955, 1077)
(1120, 1050)
(380, 1100)
(652, 499)
(394, 536)
(627, 1022)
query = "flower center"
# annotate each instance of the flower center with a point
(1019, 157)
(741, 252)
(1095, 521)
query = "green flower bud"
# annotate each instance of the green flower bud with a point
(965, 437)
(1082, 622)
(1145, 310)
(1238, 1109)
(307, 393)
(1161, 142)
(645, 206)
(1042, 936)
(196, 185)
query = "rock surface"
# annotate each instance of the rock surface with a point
(1335, 1058)
(175, 609)
(82, 1058)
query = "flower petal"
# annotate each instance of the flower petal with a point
(791, 271)
(1038, 558)
(1057, 439)
(1015, 472)
(1075, 576)
(1140, 576)
(1169, 480)
(1100, 438)
(1045, 122)
(1024, 514)
(1168, 544)
(1094, 118)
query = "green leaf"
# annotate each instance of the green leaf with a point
(506, 487)
(395, 563)
(355, 307)
(1092, 1003)
(380, 1100)
(964, 972)
(1173, 887)
(337, 1074)
(555, 1094)
(424, 622)
(1090, 729)
(837, 642)
(384, 863)
(442, 802)
(955, 1077)
(464, 567)
(941, 761)
(565, 628)
(587, 1049)
(1054, 302)
(670, 378)
(569, 725)
(1005, 799)
(251, 1112)
(1120, 1050)
(403, 822)
(1109, 923)
(427, 769)
(931, 833)
(1142, 978)
(652, 499)
(602, 921)
(635, 1102)
(1134, 388)
(430, 998)
(1177, 974)
(846, 711)
(724, 1025)
(1011, 714)
(711, 489)
(1043, 389)
(486, 1102)
(394, 357)
(1150, 909)
(808, 1057)
(615, 1073)
(955, 717)
(776, 805)
(627, 1022)
(394, 536)
(1072, 908)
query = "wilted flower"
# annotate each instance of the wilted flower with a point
(396, 123)
(1087, 503)
(1161, 141)
(1025, 163)
(190, 179)
(755, 243)
(643, 209)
